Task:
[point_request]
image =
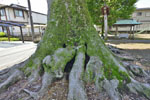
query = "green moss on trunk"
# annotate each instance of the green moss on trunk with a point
(70, 24)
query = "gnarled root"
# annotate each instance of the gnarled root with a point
(47, 79)
(111, 88)
(34, 76)
(76, 88)
(16, 76)
(53, 66)
(110, 78)
(137, 87)
(94, 72)
(137, 71)
(4, 74)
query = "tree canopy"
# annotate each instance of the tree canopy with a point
(119, 9)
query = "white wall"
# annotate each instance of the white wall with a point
(11, 16)
(39, 18)
(144, 17)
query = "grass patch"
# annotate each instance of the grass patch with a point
(6, 39)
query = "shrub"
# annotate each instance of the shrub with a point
(11, 39)
(2, 34)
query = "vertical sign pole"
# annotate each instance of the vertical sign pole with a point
(106, 24)
(105, 13)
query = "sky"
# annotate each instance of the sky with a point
(41, 5)
(36, 5)
(143, 3)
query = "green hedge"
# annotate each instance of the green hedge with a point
(6, 39)
(2, 34)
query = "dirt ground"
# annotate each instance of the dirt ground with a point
(139, 48)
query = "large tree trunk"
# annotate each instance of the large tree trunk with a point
(71, 45)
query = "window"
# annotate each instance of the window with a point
(2, 12)
(1, 30)
(139, 13)
(18, 13)
(5, 29)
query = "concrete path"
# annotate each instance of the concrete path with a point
(15, 52)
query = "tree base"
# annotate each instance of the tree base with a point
(80, 77)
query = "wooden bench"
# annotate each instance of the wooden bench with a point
(123, 35)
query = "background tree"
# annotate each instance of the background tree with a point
(71, 45)
(119, 9)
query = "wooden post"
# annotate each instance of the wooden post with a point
(130, 32)
(8, 33)
(133, 31)
(116, 31)
(21, 34)
(40, 31)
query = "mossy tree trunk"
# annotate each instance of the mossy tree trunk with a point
(71, 44)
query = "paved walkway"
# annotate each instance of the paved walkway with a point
(15, 52)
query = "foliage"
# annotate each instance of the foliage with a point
(119, 9)
(6, 39)
(2, 34)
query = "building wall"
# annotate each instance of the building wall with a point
(140, 15)
(143, 16)
(11, 16)
(39, 18)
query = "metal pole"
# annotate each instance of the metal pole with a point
(31, 20)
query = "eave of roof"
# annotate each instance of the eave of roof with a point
(7, 6)
(126, 22)
(14, 7)
(8, 24)
(5, 25)
(143, 8)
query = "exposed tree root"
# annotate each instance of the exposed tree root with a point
(16, 76)
(54, 69)
(111, 88)
(4, 74)
(82, 69)
(94, 71)
(137, 71)
(139, 88)
(76, 87)
(47, 79)
(34, 76)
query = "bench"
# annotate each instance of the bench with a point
(123, 35)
